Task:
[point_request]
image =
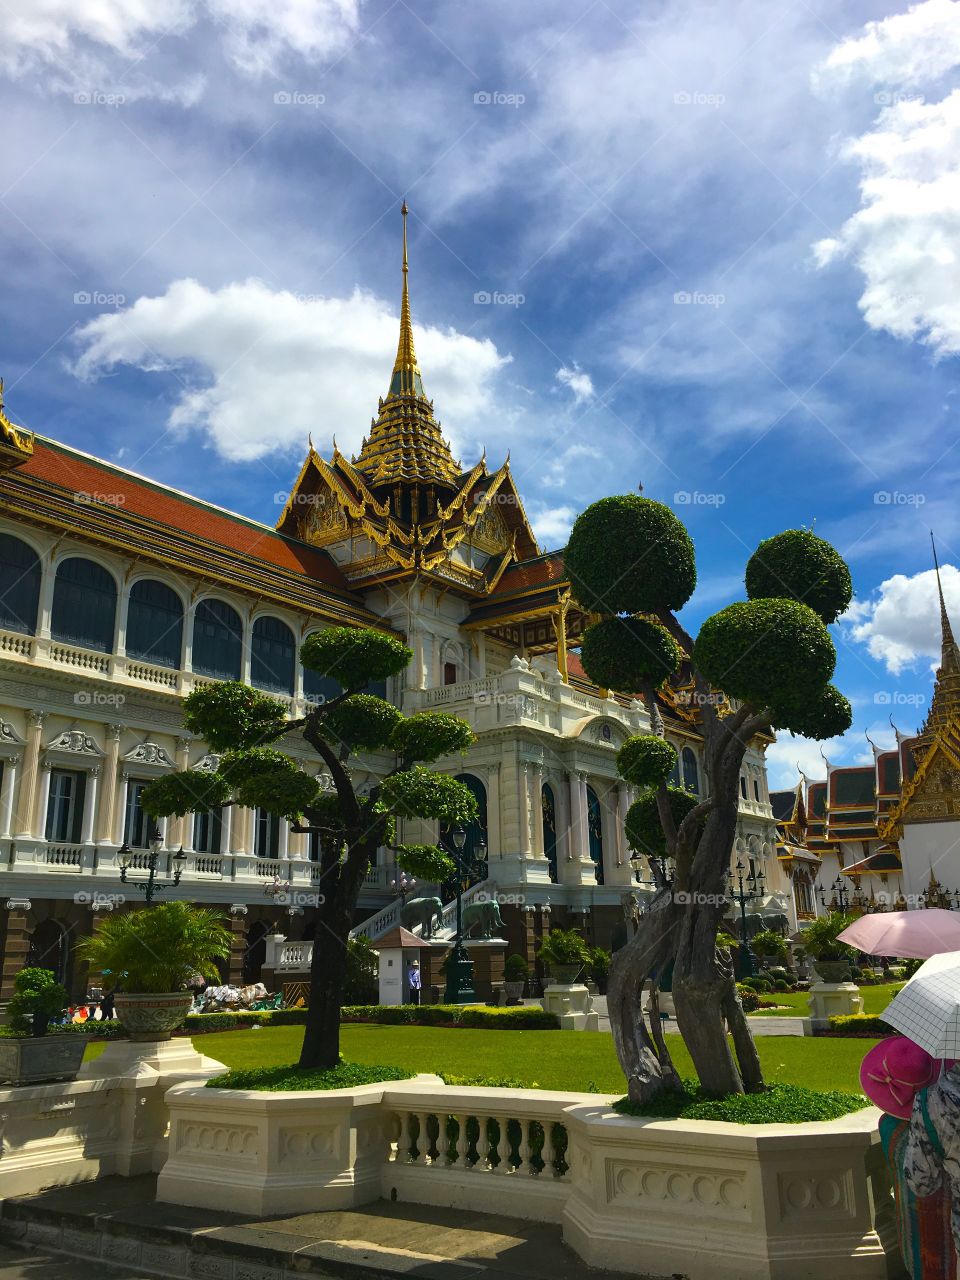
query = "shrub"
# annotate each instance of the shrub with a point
(360, 983)
(391, 1014)
(820, 937)
(860, 1024)
(518, 1019)
(454, 1015)
(37, 997)
(798, 564)
(515, 968)
(201, 1022)
(646, 760)
(159, 948)
(748, 998)
(347, 1075)
(780, 985)
(642, 824)
(564, 946)
(628, 653)
(769, 943)
(778, 1104)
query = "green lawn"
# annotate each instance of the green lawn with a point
(875, 1000)
(568, 1060)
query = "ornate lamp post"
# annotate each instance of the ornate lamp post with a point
(152, 886)
(403, 885)
(743, 891)
(841, 895)
(459, 989)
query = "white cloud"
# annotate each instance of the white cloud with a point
(579, 382)
(788, 753)
(556, 474)
(257, 369)
(905, 238)
(100, 44)
(551, 524)
(901, 623)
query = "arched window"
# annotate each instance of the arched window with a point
(50, 949)
(476, 866)
(84, 605)
(273, 656)
(674, 779)
(691, 776)
(548, 804)
(19, 585)
(217, 640)
(154, 623)
(595, 831)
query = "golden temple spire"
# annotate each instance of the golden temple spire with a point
(945, 704)
(406, 379)
(948, 646)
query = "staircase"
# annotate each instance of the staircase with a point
(377, 925)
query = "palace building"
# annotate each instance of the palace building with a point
(118, 596)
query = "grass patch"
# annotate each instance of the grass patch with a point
(779, 1104)
(279, 1079)
(875, 1000)
(575, 1061)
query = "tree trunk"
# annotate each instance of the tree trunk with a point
(698, 988)
(646, 1065)
(746, 1050)
(321, 1038)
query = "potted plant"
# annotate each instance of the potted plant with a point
(831, 958)
(600, 967)
(27, 1054)
(156, 951)
(769, 945)
(564, 953)
(515, 974)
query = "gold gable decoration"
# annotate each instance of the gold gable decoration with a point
(16, 446)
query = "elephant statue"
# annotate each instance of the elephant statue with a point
(485, 914)
(423, 912)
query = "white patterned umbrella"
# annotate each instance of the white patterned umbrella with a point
(928, 1008)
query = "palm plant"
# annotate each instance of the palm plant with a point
(158, 949)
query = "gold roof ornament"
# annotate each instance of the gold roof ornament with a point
(16, 446)
(945, 705)
(405, 445)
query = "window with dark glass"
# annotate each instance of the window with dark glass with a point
(548, 805)
(65, 806)
(267, 834)
(743, 786)
(595, 833)
(138, 827)
(217, 640)
(691, 779)
(154, 623)
(273, 656)
(207, 832)
(449, 673)
(19, 585)
(84, 605)
(756, 789)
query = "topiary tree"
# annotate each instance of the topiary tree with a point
(758, 664)
(241, 723)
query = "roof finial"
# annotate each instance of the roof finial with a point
(406, 372)
(946, 631)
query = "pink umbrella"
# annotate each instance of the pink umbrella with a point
(917, 934)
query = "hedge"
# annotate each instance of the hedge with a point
(859, 1024)
(524, 1018)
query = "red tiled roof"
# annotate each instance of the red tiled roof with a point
(75, 472)
(539, 572)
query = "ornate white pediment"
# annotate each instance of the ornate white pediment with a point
(76, 742)
(207, 764)
(8, 736)
(150, 753)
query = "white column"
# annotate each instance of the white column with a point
(6, 796)
(494, 841)
(46, 599)
(120, 621)
(43, 801)
(524, 791)
(283, 840)
(187, 658)
(108, 791)
(616, 867)
(536, 808)
(89, 807)
(28, 776)
(121, 814)
(225, 828)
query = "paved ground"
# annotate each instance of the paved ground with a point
(767, 1026)
(381, 1240)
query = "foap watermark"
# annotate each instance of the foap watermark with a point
(694, 498)
(297, 98)
(98, 298)
(697, 899)
(895, 698)
(894, 97)
(897, 498)
(695, 98)
(488, 698)
(298, 898)
(96, 898)
(501, 899)
(494, 298)
(96, 498)
(697, 298)
(281, 498)
(496, 500)
(694, 698)
(98, 98)
(93, 698)
(498, 98)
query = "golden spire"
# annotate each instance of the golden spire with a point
(406, 379)
(945, 705)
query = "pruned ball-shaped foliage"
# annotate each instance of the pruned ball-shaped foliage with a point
(428, 735)
(627, 653)
(642, 823)
(420, 793)
(628, 554)
(825, 714)
(765, 652)
(799, 565)
(361, 721)
(266, 779)
(425, 862)
(354, 655)
(646, 760)
(231, 716)
(190, 791)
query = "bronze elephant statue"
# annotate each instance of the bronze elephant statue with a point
(424, 912)
(486, 914)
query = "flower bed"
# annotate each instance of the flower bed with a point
(779, 1104)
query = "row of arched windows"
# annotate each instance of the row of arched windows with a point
(84, 613)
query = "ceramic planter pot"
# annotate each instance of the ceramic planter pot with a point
(514, 990)
(832, 970)
(40, 1059)
(152, 1017)
(565, 975)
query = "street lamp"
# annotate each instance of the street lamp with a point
(152, 886)
(459, 988)
(743, 891)
(841, 895)
(403, 885)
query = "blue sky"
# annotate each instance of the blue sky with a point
(707, 247)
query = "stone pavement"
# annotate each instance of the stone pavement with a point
(117, 1222)
(766, 1026)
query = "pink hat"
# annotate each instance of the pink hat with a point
(894, 1071)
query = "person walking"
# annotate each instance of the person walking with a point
(931, 1154)
(413, 981)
